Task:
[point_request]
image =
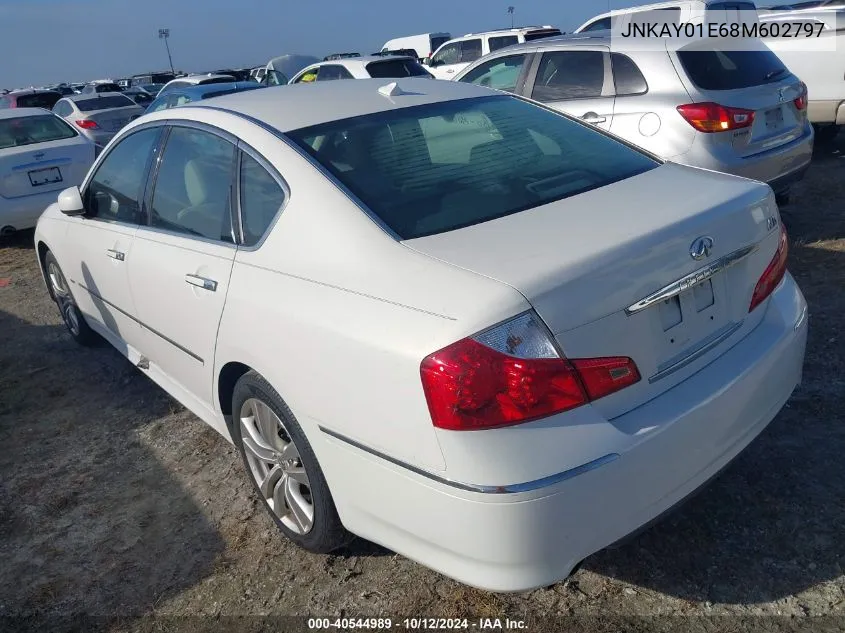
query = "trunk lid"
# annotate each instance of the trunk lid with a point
(41, 167)
(113, 120)
(583, 261)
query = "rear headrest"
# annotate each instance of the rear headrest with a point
(203, 183)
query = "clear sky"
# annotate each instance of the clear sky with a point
(47, 41)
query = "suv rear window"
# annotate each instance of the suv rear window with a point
(104, 103)
(731, 70)
(44, 100)
(391, 68)
(438, 167)
(28, 130)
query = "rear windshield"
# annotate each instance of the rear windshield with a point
(44, 100)
(104, 103)
(731, 70)
(538, 35)
(28, 130)
(396, 68)
(434, 168)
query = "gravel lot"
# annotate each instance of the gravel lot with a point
(116, 502)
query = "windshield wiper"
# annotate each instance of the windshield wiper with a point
(774, 73)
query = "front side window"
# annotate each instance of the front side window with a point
(438, 167)
(28, 130)
(332, 73)
(192, 187)
(308, 76)
(261, 199)
(501, 73)
(569, 75)
(496, 43)
(446, 55)
(115, 190)
(470, 50)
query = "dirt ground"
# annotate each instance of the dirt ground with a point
(116, 502)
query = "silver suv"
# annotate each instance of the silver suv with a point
(740, 112)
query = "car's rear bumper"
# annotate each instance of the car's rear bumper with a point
(517, 541)
(778, 167)
(23, 212)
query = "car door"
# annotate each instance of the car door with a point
(99, 243)
(578, 82)
(506, 72)
(454, 57)
(182, 259)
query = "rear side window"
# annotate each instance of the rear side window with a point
(569, 75)
(396, 68)
(104, 103)
(627, 77)
(28, 130)
(261, 199)
(442, 166)
(115, 191)
(501, 42)
(598, 25)
(44, 100)
(731, 70)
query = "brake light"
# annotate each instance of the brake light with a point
(87, 124)
(773, 274)
(712, 117)
(801, 101)
(513, 374)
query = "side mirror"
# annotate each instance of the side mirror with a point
(426, 61)
(70, 202)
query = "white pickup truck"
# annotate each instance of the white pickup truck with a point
(818, 61)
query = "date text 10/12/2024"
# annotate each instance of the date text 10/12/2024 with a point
(416, 624)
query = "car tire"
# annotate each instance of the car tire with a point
(71, 315)
(282, 466)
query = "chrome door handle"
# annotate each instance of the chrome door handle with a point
(592, 117)
(450, 71)
(116, 254)
(201, 282)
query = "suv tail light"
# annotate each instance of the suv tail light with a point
(87, 124)
(512, 374)
(801, 101)
(773, 274)
(712, 117)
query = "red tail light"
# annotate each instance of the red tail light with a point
(87, 124)
(712, 117)
(773, 274)
(485, 382)
(801, 101)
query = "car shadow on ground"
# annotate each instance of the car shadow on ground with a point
(18, 239)
(770, 526)
(90, 521)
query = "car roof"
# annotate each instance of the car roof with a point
(14, 113)
(295, 106)
(91, 95)
(590, 39)
(29, 91)
(202, 89)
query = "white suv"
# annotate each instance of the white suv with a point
(456, 54)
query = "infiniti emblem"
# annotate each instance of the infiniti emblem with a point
(781, 95)
(701, 247)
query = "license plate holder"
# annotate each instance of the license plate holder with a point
(774, 119)
(46, 176)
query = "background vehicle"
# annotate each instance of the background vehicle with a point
(423, 45)
(740, 112)
(280, 69)
(819, 62)
(39, 155)
(152, 78)
(194, 80)
(151, 89)
(682, 12)
(32, 98)
(98, 116)
(456, 54)
(101, 86)
(190, 94)
(336, 56)
(238, 75)
(485, 232)
(139, 96)
(364, 67)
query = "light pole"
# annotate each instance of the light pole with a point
(164, 34)
(510, 12)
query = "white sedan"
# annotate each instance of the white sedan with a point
(474, 330)
(39, 156)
